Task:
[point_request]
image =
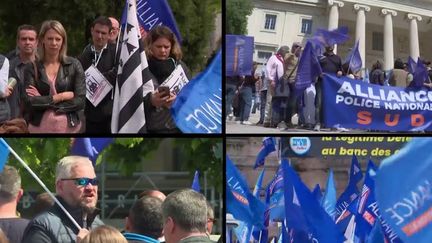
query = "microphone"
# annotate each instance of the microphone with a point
(12, 82)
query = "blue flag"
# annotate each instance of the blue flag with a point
(332, 37)
(366, 76)
(411, 65)
(275, 197)
(239, 200)
(195, 183)
(151, 14)
(318, 221)
(4, 153)
(329, 200)
(351, 192)
(198, 106)
(317, 193)
(420, 75)
(258, 184)
(238, 55)
(366, 213)
(403, 186)
(376, 235)
(268, 146)
(89, 147)
(308, 70)
(354, 59)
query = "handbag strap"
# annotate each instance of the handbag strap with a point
(295, 67)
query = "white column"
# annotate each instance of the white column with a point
(388, 38)
(334, 16)
(414, 40)
(361, 31)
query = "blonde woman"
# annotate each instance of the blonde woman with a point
(103, 234)
(54, 84)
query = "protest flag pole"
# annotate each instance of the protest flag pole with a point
(43, 185)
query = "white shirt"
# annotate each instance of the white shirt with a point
(274, 66)
(4, 75)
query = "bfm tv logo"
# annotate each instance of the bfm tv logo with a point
(300, 145)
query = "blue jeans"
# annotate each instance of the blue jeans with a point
(229, 95)
(246, 102)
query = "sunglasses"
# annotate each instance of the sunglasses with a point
(84, 181)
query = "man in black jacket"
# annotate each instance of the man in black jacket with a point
(101, 55)
(76, 188)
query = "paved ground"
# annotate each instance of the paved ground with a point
(233, 127)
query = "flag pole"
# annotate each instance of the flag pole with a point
(43, 185)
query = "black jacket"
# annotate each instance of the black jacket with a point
(54, 226)
(69, 78)
(107, 66)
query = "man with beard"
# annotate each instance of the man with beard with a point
(76, 188)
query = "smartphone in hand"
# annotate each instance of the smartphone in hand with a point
(164, 91)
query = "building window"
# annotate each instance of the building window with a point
(264, 55)
(306, 26)
(270, 22)
(377, 41)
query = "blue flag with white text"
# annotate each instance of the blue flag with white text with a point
(317, 192)
(239, 200)
(275, 197)
(151, 14)
(4, 153)
(403, 187)
(89, 147)
(198, 106)
(268, 146)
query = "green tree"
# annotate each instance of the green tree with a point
(236, 16)
(126, 154)
(195, 19)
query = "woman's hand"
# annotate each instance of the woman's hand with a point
(63, 96)
(32, 91)
(170, 100)
(158, 99)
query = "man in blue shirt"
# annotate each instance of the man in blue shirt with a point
(145, 223)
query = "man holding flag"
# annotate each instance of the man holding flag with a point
(76, 188)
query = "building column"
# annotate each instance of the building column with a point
(414, 40)
(334, 16)
(388, 38)
(361, 31)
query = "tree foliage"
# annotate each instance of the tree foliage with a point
(125, 154)
(195, 19)
(236, 16)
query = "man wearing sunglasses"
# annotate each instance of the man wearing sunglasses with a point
(76, 188)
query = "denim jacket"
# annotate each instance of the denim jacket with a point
(70, 77)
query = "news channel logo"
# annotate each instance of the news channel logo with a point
(300, 145)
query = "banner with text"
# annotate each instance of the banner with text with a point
(369, 106)
(375, 148)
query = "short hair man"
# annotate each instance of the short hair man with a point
(10, 193)
(27, 45)
(153, 193)
(145, 223)
(76, 188)
(101, 55)
(185, 217)
(114, 31)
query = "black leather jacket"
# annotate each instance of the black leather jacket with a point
(70, 77)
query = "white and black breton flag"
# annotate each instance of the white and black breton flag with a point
(133, 78)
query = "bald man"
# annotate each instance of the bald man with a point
(114, 31)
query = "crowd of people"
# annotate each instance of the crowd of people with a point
(182, 216)
(43, 86)
(271, 89)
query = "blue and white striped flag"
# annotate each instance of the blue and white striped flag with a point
(133, 78)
